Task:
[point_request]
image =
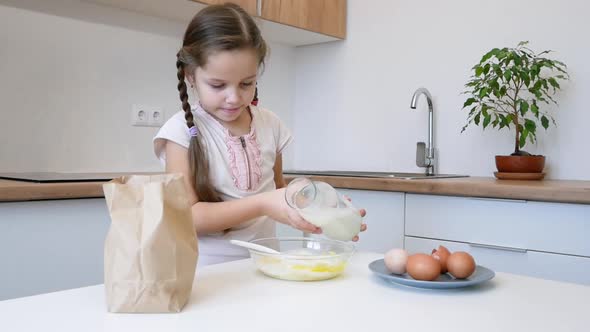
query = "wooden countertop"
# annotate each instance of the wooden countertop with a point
(15, 191)
(31, 191)
(566, 191)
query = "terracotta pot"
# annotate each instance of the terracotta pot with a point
(520, 164)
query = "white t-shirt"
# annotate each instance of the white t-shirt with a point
(239, 166)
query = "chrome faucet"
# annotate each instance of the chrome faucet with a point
(425, 154)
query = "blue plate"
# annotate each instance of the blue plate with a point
(444, 281)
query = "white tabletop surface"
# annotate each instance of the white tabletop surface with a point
(236, 297)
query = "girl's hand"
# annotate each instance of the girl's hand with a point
(363, 225)
(275, 206)
(363, 213)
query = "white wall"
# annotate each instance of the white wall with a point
(70, 72)
(352, 97)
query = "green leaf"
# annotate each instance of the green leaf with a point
(476, 119)
(553, 82)
(497, 69)
(502, 120)
(525, 77)
(486, 120)
(486, 69)
(489, 55)
(522, 141)
(535, 70)
(544, 122)
(530, 125)
(509, 119)
(508, 74)
(469, 102)
(478, 71)
(535, 109)
(524, 107)
(483, 92)
(494, 85)
(517, 60)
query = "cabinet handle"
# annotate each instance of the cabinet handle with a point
(508, 200)
(489, 246)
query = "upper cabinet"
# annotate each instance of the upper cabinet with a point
(290, 22)
(250, 6)
(322, 16)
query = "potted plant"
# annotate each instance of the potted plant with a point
(508, 89)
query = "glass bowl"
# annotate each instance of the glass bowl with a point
(302, 258)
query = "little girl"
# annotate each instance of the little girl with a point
(228, 149)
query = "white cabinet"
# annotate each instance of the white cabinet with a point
(385, 219)
(47, 246)
(548, 240)
(526, 262)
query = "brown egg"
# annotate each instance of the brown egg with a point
(461, 264)
(423, 267)
(441, 255)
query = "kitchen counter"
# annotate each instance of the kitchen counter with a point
(566, 191)
(15, 191)
(235, 297)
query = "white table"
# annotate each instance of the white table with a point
(235, 297)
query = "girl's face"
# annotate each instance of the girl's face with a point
(226, 84)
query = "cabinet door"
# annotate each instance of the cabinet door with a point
(550, 227)
(323, 16)
(250, 6)
(385, 219)
(47, 246)
(537, 264)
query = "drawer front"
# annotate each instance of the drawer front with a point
(549, 227)
(543, 265)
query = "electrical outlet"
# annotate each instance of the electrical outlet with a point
(146, 116)
(156, 117)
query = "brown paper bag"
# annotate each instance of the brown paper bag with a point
(150, 252)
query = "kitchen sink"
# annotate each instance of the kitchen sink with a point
(364, 174)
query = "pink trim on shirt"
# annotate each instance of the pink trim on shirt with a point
(245, 163)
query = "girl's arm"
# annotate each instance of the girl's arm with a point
(216, 217)
(278, 170)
